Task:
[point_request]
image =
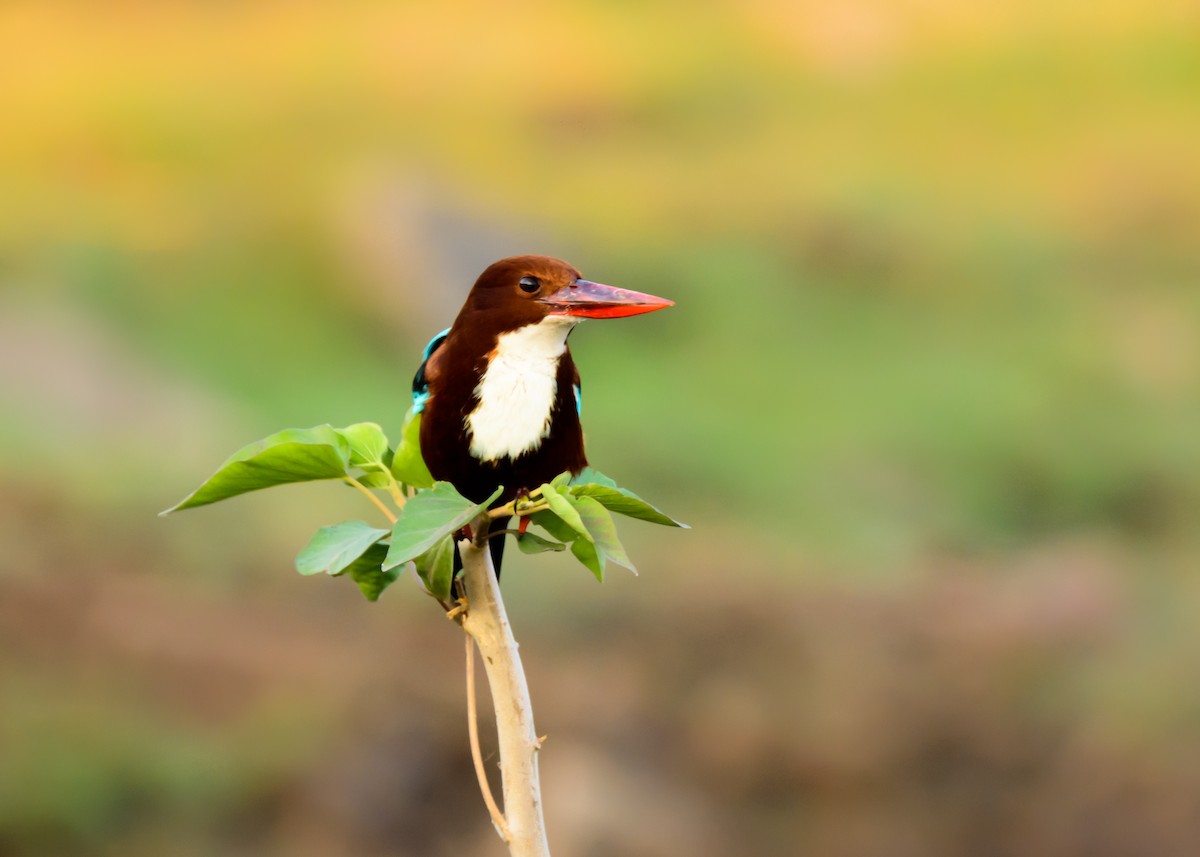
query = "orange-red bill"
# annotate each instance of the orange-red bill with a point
(596, 300)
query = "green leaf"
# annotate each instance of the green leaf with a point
(374, 479)
(603, 531)
(599, 527)
(591, 476)
(367, 572)
(408, 466)
(331, 549)
(555, 526)
(587, 554)
(436, 567)
(562, 507)
(368, 443)
(529, 542)
(293, 455)
(562, 480)
(625, 502)
(429, 515)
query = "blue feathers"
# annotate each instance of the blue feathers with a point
(420, 386)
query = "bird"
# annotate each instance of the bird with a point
(498, 393)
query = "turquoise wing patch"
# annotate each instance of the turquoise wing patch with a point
(420, 385)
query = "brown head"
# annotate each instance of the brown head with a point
(523, 290)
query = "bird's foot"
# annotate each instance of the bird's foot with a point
(460, 608)
(520, 503)
(464, 533)
(523, 525)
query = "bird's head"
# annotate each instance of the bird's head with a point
(526, 289)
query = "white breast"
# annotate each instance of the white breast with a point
(517, 390)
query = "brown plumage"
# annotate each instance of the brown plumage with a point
(502, 387)
(497, 305)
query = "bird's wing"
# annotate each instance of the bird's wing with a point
(420, 384)
(577, 389)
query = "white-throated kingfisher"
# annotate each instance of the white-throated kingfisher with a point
(498, 392)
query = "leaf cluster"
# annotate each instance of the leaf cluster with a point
(575, 513)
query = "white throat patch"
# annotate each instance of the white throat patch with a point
(517, 390)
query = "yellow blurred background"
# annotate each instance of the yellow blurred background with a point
(930, 399)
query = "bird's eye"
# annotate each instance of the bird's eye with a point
(530, 284)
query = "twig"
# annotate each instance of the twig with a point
(398, 496)
(350, 480)
(487, 624)
(493, 533)
(473, 730)
(510, 509)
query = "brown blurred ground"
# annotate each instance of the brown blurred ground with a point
(975, 710)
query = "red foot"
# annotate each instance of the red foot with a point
(464, 533)
(524, 525)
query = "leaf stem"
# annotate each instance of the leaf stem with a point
(510, 509)
(387, 513)
(505, 511)
(476, 756)
(394, 489)
(393, 486)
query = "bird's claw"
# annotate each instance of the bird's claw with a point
(522, 499)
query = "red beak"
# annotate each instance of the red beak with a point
(595, 300)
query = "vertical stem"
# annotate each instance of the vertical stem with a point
(487, 623)
(476, 756)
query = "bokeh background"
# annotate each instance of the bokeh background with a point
(930, 399)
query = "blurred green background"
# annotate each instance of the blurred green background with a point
(930, 398)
